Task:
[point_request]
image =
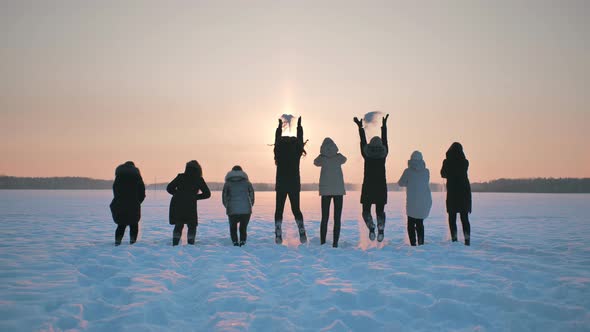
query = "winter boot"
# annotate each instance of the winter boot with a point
(381, 228)
(242, 243)
(278, 232)
(302, 235)
(370, 225)
(236, 244)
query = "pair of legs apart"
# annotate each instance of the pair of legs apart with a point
(294, 200)
(465, 225)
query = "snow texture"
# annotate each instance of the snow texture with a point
(528, 268)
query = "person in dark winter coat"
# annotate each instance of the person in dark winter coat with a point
(331, 186)
(129, 193)
(287, 153)
(238, 199)
(454, 169)
(186, 189)
(374, 189)
(416, 179)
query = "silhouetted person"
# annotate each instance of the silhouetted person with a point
(374, 190)
(238, 199)
(129, 193)
(288, 152)
(186, 189)
(331, 186)
(416, 179)
(454, 169)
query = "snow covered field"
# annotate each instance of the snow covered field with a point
(528, 268)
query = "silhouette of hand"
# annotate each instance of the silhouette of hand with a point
(280, 123)
(385, 120)
(299, 122)
(358, 122)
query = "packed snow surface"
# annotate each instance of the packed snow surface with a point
(528, 268)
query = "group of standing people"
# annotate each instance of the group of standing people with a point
(238, 194)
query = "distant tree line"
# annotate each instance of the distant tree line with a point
(13, 182)
(538, 185)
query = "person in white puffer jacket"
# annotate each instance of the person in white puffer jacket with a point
(331, 186)
(238, 199)
(416, 179)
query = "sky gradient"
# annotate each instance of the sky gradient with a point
(85, 86)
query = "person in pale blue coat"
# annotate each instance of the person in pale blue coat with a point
(416, 179)
(238, 199)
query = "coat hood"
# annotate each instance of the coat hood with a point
(375, 149)
(416, 162)
(329, 148)
(236, 176)
(127, 169)
(456, 151)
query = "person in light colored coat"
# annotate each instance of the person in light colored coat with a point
(416, 179)
(331, 186)
(238, 199)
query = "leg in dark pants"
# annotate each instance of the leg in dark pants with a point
(369, 220)
(177, 233)
(191, 234)
(453, 226)
(133, 231)
(244, 220)
(466, 228)
(380, 211)
(295, 208)
(420, 231)
(326, 200)
(412, 230)
(337, 218)
(233, 229)
(281, 197)
(119, 233)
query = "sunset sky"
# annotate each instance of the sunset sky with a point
(87, 85)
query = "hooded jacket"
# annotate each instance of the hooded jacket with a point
(374, 190)
(416, 179)
(238, 193)
(129, 193)
(454, 169)
(287, 153)
(186, 189)
(331, 177)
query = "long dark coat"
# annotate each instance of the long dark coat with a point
(374, 190)
(129, 193)
(288, 152)
(185, 193)
(454, 169)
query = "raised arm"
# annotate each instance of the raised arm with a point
(205, 192)
(362, 134)
(299, 132)
(384, 132)
(279, 132)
